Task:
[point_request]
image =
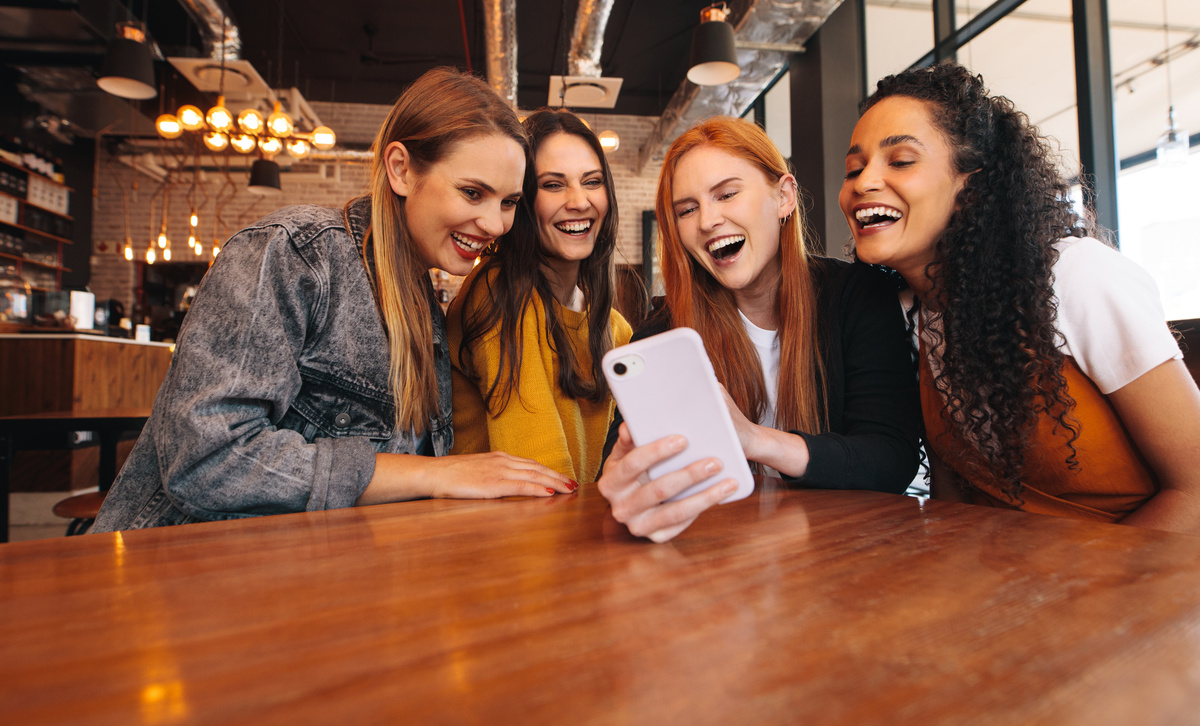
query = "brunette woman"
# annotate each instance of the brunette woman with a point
(1049, 379)
(812, 351)
(312, 371)
(529, 329)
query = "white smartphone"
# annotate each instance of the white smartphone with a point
(665, 385)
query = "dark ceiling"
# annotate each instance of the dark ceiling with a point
(362, 51)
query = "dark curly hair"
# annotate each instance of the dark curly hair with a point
(992, 272)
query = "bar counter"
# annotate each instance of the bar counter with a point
(787, 607)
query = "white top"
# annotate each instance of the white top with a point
(766, 342)
(1111, 319)
(1110, 315)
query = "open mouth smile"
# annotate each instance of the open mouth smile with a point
(725, 248)
(468, 246)
(575, 227)
(877, 216)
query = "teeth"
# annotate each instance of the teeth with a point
(863, 215)
(468, 244)
(725, 242)
(575, 227)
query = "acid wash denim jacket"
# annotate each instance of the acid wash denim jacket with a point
(278, 397)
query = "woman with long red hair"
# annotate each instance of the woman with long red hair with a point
(812, 351)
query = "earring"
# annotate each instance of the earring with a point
(783, 220)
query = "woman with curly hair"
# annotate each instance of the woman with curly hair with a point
(812, 351)
(1049, 379)
(533, 321)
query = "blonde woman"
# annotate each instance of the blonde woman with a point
(313, 370)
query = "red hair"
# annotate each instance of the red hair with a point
(698, 301)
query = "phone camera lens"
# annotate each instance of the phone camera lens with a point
(619, 369)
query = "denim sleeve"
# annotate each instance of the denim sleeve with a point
(234, 376)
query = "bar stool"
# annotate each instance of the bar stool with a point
(81, 509)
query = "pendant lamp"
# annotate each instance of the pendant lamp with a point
(128, 70)
(714, 55)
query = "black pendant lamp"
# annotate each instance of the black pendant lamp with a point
(714, 55)
(264, 177)
(128, 70)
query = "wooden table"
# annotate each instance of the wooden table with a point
(788, 607)
(108, 424)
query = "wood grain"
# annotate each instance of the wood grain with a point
(786, 607)
(78, 374)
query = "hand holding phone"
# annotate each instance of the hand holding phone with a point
(665, 385)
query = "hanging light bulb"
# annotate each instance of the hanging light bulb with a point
(168, 126)
(1172, 147)
(609, 141)
(199, 249)
(167, 255)
(162, 237)
(194, 220)
(323, 138)
(243, 143)
(216, 248)
(216, 141)
(251, 121)
(192, 241)
(150, 255)
(270, 145)
(128, 248)
(279, 123)
(218, 117)
(298, 148)
(190, 118)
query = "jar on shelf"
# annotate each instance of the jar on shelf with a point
(14, 296)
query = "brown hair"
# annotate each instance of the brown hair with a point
(698, 301)
(440, 109)
(518, 262)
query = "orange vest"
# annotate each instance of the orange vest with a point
(1112, 478)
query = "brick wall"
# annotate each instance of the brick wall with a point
(329, 184)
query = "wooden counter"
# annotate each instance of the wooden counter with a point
(77, 372)
(789, 607)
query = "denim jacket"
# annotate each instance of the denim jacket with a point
(277, 399)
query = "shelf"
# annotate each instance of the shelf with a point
(38, 232)
(31, 172)
(27, 261)
(28, 203)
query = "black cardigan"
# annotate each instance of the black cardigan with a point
(870, 382)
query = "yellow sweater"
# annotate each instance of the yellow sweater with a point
(542, 423)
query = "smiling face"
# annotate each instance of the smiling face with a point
(728, 214)
(461, 203)
(571, 200)
(901, 187)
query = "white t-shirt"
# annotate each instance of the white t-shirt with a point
(766, 342)
(1110, 316)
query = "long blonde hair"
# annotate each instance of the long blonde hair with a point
(440, 109)
(698, 301)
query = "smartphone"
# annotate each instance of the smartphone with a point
(665, 385)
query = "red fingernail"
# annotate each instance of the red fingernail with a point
(574, 485)
(549, 490)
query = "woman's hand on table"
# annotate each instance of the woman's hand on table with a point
(400, 477)
(640, 503)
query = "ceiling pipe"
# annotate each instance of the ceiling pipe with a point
(765, 35)
(217, 24)
(591, 20)
(500, 35)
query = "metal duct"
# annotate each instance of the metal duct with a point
(591, 19)
(500, 34)
(770, 22)
(216, 22)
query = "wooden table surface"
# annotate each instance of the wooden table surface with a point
(787, 607)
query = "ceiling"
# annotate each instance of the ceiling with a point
(360, 51)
